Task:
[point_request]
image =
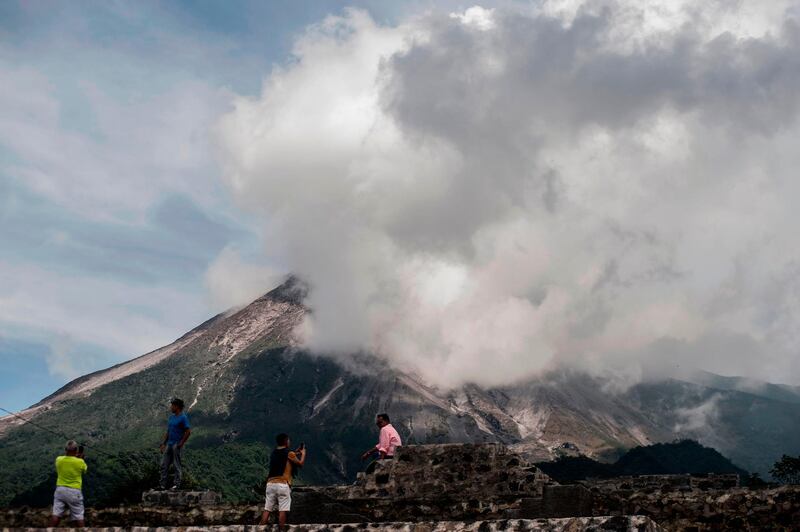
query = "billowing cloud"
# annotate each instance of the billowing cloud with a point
(483, 196)
(232, 281)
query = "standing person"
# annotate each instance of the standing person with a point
(388, 442)
(282, 465)
(178, 431)
(68, 495)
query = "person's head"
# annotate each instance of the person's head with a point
(282, 440)
(382, 420)
(176, 406)
(71, 448)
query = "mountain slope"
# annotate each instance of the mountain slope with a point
(752, 430)
(244, 380)
(682, 457)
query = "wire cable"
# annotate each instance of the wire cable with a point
(51, 431)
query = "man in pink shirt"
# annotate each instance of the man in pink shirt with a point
(388, 442)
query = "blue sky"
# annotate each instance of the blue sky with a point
(111, 206)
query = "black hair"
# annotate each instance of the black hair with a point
(282, 439)
(384, 417)
(177, 402)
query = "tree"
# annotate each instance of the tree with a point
(787, 470)
(754, 481)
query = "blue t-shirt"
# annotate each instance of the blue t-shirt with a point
(176, 426)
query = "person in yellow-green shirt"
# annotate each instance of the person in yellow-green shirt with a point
(68, 495)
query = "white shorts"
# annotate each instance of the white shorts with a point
(279, 497)
(68, 498)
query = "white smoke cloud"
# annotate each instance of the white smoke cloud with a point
(702, 423)
(61, 359)
(484, 196)
(232, 281)
(698, 418)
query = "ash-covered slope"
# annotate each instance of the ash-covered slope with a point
(244, 379)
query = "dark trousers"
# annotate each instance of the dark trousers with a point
(371, 466)
(172, 456)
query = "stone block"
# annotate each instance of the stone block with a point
(463, 470)
(566, 501)
(180, 498)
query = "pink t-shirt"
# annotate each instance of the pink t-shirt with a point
(389, 440)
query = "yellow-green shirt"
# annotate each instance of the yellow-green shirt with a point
(70, 471)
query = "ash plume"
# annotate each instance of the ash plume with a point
(485, 195)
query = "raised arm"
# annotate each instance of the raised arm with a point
(299, 461)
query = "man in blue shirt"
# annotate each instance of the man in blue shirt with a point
(178, 432)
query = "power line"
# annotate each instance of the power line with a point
(51, 431)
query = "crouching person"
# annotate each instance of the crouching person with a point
(282, 466)
(68, 495)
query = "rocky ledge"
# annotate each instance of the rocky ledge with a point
(571, 524)
(180, 498)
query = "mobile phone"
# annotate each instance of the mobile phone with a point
(302, 446)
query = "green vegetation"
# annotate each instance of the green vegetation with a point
(110, 480)
(787, 470)
(681, 457)
(267, 390)
(234, 469)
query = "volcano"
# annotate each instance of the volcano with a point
(244, 377)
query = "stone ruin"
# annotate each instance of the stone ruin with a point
(465, 470)
(577, 524)
(436, 482)
(465, 488)
(664, 483)
(180, 498)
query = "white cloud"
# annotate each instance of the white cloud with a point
(140, 152)
(71, 311)
(232, 281)
(476, 16)
(61, 360)
(699, 417)
(552, 189)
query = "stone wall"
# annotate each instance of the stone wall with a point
(462, 470)
(472, 483)
(565, 501)
(426, 482)
(140, 515)
(180, 498)
(318, 507)
(576, 524)
(649, 483)
(699, 510)
(734, 510)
